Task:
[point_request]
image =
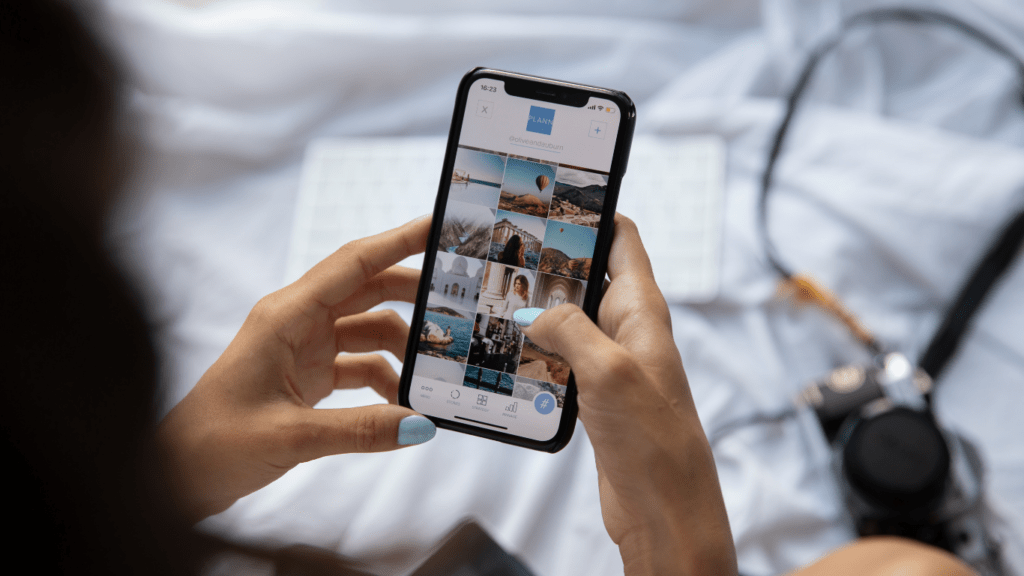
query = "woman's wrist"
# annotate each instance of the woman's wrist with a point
(660, 548)
(684, 527)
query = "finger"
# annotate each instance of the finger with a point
(633, 302)
(311, 433)
(628, 255)
(372, 331)
(595, 358)
(366, 371)
(396, 284)
(339, 275)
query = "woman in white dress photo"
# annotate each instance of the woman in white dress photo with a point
(517, 299)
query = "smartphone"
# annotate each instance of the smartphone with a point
(523, 218)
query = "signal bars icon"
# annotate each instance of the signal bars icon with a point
(592, 107)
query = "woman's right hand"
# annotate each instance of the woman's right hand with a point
(660, 497)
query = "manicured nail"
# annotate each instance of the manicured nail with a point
(415, 430)
(526, 316)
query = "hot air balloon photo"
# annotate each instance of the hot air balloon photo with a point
(527, 187)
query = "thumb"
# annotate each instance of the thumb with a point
(376, 428)
(569, 332)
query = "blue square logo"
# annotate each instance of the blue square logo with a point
(541, 120)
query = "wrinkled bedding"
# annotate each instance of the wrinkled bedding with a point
(905, 160)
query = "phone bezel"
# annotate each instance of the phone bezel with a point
(546, 90)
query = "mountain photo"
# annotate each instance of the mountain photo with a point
(578, 197)
(568, 250)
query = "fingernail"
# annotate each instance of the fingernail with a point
(526, 316)
(415, 430)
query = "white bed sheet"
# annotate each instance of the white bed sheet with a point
(904, 162)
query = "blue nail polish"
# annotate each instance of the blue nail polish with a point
(415, 430)
(526, 316)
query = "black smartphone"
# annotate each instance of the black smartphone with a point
(523, 219)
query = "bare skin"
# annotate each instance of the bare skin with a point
(887, 556)
(250, 418)
(660, 496)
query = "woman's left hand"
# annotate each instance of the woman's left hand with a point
(250, 418)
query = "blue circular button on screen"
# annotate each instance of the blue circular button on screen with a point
(544, 403)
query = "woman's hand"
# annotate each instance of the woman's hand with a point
(250, 418)
(660, 496)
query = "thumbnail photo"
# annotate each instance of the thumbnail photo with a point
(527, 187)
(554, 290)
(506, 289)
(527, 389)
(496, 344)
(484, 379)
(437, 369)
(466, 230)
(446, 333)
(517, 240)
(537, 363)
(578, 197)
(456, 281)
(477, 177)
(568, 250)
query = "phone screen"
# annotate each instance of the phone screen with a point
(520, 227)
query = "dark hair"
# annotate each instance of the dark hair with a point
(79, 414)
(524, 280)
(510, 255)
(89, 495)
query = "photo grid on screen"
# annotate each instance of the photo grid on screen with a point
(517, 232)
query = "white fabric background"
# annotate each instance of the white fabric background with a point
(902, 164)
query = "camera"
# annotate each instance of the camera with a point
(900, 472)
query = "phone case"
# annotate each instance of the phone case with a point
(599, 262)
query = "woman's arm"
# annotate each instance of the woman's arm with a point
(250, 418)
(887, 556)
(660, 496)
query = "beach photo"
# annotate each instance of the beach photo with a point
(466, 230)
(456, 282)
(441, 370)
(551, 290)
(568, 250)
(527, 187)
(506, 289)
(476, 178)
(446, 334)
(496, 344)
(578, 197)
(540, 364)
(516, 240)
(489, 380)
(528, 388)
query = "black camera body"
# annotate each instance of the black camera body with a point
(900, 472)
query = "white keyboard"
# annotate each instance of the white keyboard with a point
(673, 189)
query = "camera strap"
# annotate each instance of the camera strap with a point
(989, 269)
